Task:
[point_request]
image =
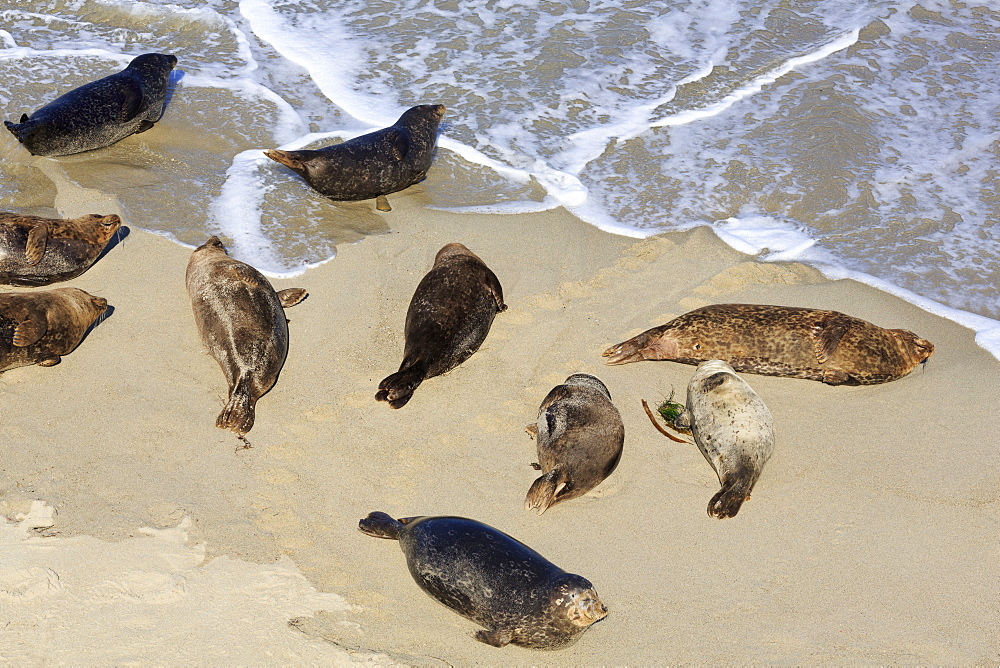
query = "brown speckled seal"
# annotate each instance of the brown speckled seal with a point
(39, 251)
(40, 327)
(580, 437)
(242, 323)
(496, 581)
(374, 164)
(449, 317)
(786, 341)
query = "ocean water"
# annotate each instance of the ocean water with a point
(860, 137)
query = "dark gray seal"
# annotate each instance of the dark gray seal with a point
(242, 323)
(374, 164)
(733, 429)
(786, 341)
(449, 317)
(101, 112)
(494, 580)
(580, 438)
(39, 251)
(40, 327)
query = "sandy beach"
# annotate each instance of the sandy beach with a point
(137, 532)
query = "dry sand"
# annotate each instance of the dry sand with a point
(137, 532)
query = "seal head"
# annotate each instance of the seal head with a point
(580, 438)
(449, 317)
(789, 341)
(374, 164)
(483, 574)
(242, 323)
(40, 251)
(101, 112)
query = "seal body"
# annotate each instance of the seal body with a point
(518, 595)
(449, 317)
(39, 251)
(580, 437)
(40, 327)
(733, 429)
(372, 165)
(789, 341)
(101, 112)
(242, 323)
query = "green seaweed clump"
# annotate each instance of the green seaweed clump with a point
(670, 409)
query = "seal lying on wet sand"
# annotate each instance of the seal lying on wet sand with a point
(39, 327)
(494, 580)
(781, 341)
(733, 429)
(449, 317)
(242, 323)
(101, 112)
(372, 165)
(580, 437)
(39, 251)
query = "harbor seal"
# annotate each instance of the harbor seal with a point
(39, 327)
(39, 251)
(374, 164)
(580, 437)
(733, 429)
(788, 341)
(242, 323)
(101, 112)
(494, 580)
(449, 317)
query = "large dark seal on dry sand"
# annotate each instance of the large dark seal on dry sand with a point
(733, 429)
(580, 437)
(786, 341)
(372, 165)
(39, 251)
(242, 323)
(449, 317)
(40, 327)
(498, 582)
(101, 112)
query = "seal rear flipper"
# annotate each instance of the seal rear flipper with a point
(545, 491)
(143, 126)
(238, 415)
(380, 525)
(291, 296)
(22, 131)
(397, 388)
(495, 637)
(728, 500)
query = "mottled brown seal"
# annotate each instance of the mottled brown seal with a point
(449, 317)
(242, 323)
(39, 251)
(580, 437)
(494, 580)
(374, 164)
(786, 341)
(101, 112)
(733, 429)
(39, 327)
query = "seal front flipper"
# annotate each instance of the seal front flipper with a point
(143, 126)
(545, 491)
(34, 250)
(496, 637)
(291, 296)
(381, 525)
(382, 203)
(397, 388)
(829, 335)
(30, 329)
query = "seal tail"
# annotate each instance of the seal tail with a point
(728, 500)
(380, 525)
(398, 387)
(238, 415)
(545, 491)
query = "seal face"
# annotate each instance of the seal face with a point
(242, 323)
(101, 112)
(733, 429)
(449, 317)
(789, 341)
(39, 251)
(580, 438)
(372, 165)
(40, 327)
(518, 595)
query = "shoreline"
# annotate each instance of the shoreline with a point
(864, 503)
